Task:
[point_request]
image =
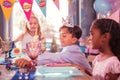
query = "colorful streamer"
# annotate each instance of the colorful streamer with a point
(115, 16)
(42, 5)
(27, 7)
(7, 6)
(56, 3)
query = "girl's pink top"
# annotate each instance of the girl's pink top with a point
(101, 68)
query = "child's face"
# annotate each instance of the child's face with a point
(66, 38)
(96, 38)
(33, 24)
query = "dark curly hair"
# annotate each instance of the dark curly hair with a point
(108, 25)
(75, 30)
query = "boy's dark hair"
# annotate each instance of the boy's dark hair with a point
(108, 25)
(75, 30)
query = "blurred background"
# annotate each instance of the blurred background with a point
(79, 12)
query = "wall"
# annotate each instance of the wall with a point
(87, 16)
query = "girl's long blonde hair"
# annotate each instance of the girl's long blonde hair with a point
(27, 30)
(38, 30)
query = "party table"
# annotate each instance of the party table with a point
(44, 74)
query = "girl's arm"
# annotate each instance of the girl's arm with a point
(19, 38)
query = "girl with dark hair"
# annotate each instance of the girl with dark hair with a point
(105, 36)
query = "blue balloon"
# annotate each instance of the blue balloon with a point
(101, 6)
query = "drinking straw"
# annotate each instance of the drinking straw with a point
(35, 38)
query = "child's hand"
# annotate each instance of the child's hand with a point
(111, 76)
(22, 62)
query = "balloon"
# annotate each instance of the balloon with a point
(101, 15)
(101, 6)
(110, 1)
(115, 5)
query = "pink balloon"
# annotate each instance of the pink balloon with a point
(110, 1)
(115, 6)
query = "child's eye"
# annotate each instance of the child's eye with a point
(63, 35)
(91, 34)
(30, 23)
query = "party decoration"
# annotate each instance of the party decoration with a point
(115, 6)
(7, 6)
(115, 16)
(101, 15)
(68, 21)
(42, 5)
(27, 7)
(110, 1)
(101, 6)
(16, 51)
(56, 3)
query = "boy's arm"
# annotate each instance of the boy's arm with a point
(19, 38)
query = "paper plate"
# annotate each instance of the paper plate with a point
(57, 72)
